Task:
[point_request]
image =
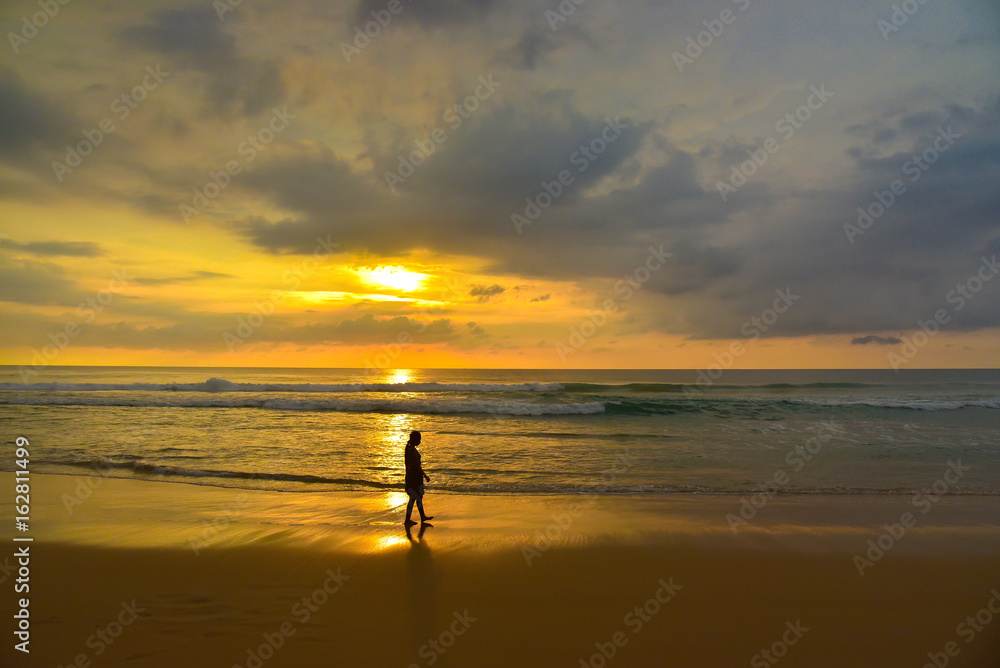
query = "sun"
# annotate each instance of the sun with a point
(393, 276)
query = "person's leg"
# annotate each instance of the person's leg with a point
(409, 507)
(420, 506)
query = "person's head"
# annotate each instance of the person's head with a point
(414, 438)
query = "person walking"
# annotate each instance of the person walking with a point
(415, 478)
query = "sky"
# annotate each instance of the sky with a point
(460, 183)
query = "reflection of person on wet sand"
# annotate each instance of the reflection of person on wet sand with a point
(417, 544)
(415, 478)
(422, 588)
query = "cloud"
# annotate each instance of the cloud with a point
(485, 292)
(485, 171)
(30, 282)
(204, 331)
(195, 38)
(29, 122)
(722, 274)
(877, 340)
(366, 329)
(652, 186)
(506, 152)
(430, 14)
(899, 271)
(534, 47)
(193, 277)
(57, 248)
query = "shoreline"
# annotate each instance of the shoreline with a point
(311, 578)
(93, 509)
(780, 493)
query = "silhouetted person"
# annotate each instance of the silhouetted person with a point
(415, 478)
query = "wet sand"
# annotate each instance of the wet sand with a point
(160, 574)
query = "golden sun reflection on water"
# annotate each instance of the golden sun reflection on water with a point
(398, 376)
(391, 433)
(394, 499)
(387, 448)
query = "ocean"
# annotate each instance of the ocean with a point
(515, 431)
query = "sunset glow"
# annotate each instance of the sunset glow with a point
(499, 192)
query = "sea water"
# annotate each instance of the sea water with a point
(514, 431)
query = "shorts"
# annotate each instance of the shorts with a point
(415, 492)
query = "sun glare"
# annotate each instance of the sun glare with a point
(398, 376)
(394, 277)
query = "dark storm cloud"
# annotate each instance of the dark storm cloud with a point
(430, 13)
(609, 234)
(318, 186)
(669, 196)
(877, 340)
(461, 199)
(29, 121)
(57, 248)
(897, 272)
(949, 171)
(195, 38)
(504, 153)
(693, 267)
(194, 34)
(910, 262)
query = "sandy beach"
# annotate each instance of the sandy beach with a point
(161, 574)
(684, 315)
